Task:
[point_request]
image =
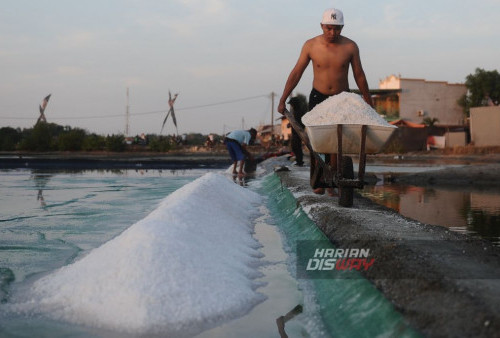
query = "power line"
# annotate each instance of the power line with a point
(144, 113)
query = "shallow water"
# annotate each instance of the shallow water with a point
(470, 210)
(467, 210)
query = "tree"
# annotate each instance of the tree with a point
(482, 84)
(71, 140)
(115, 143)
(9, 138)
(159, 143)
(94, 142)
(430, 121)
(41, 137)
(195, 139)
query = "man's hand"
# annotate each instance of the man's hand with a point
(281, 107)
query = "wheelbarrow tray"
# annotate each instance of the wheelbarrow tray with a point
(356, 138)
(324, 138)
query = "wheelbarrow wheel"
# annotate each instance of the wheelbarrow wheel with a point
(346, 194)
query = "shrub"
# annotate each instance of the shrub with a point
(115, 143)
(71, 140)
(9, 138)
(40, 138)
(94, 142)
(159, 144)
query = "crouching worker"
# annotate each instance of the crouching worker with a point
(236, 143)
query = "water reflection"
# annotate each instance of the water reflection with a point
(472, 211)
(41, 179)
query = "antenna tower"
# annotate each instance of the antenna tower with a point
(127, 116)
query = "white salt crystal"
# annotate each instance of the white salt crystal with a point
(187, 266)
(344, 108)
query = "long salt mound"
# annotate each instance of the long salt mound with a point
(344, 108)
(188, 266)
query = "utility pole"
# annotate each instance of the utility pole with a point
(127, 116)
(273, 94)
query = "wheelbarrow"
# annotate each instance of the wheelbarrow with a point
(341, 139)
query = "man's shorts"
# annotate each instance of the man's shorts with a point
(234, 149)
(316, 97)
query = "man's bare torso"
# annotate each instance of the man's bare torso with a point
(331, 62)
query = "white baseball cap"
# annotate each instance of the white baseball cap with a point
(333, 16)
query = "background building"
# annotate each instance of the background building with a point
(485, 126)
(416, 99)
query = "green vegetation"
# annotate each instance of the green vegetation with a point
(9, 138)
(71, 140)
(45, 137)
(160, 144)
(94, 142)
(430, 121)
(115, 143)
(483, 86)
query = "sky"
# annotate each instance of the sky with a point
(223, 57)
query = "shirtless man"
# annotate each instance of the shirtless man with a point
(331, 55)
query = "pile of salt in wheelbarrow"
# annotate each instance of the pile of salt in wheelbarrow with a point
(342, 125)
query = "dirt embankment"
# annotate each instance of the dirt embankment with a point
(479, 175)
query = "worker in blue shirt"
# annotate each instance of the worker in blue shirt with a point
(236, 143)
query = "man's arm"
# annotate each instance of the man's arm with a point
(295, 76)
(246, 152)
(360, 77)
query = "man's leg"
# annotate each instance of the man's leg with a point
(317, 181)
(239, 156)
(234, 156)
(241, 173)
(333, 165)
(316, 172)
(297, 148)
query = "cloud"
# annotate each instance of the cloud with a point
(393, 12)
(205, 6)
(134, 81)
(187, 17)
(78, 39)
(204, 72)
(71, 71)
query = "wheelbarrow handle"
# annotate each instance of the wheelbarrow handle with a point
(305, 139)
(298, 129)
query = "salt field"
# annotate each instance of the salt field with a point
(131, 253)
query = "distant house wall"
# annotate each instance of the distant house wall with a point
(390, 82)
(455, 139)
(420, 99)
(485, 126)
